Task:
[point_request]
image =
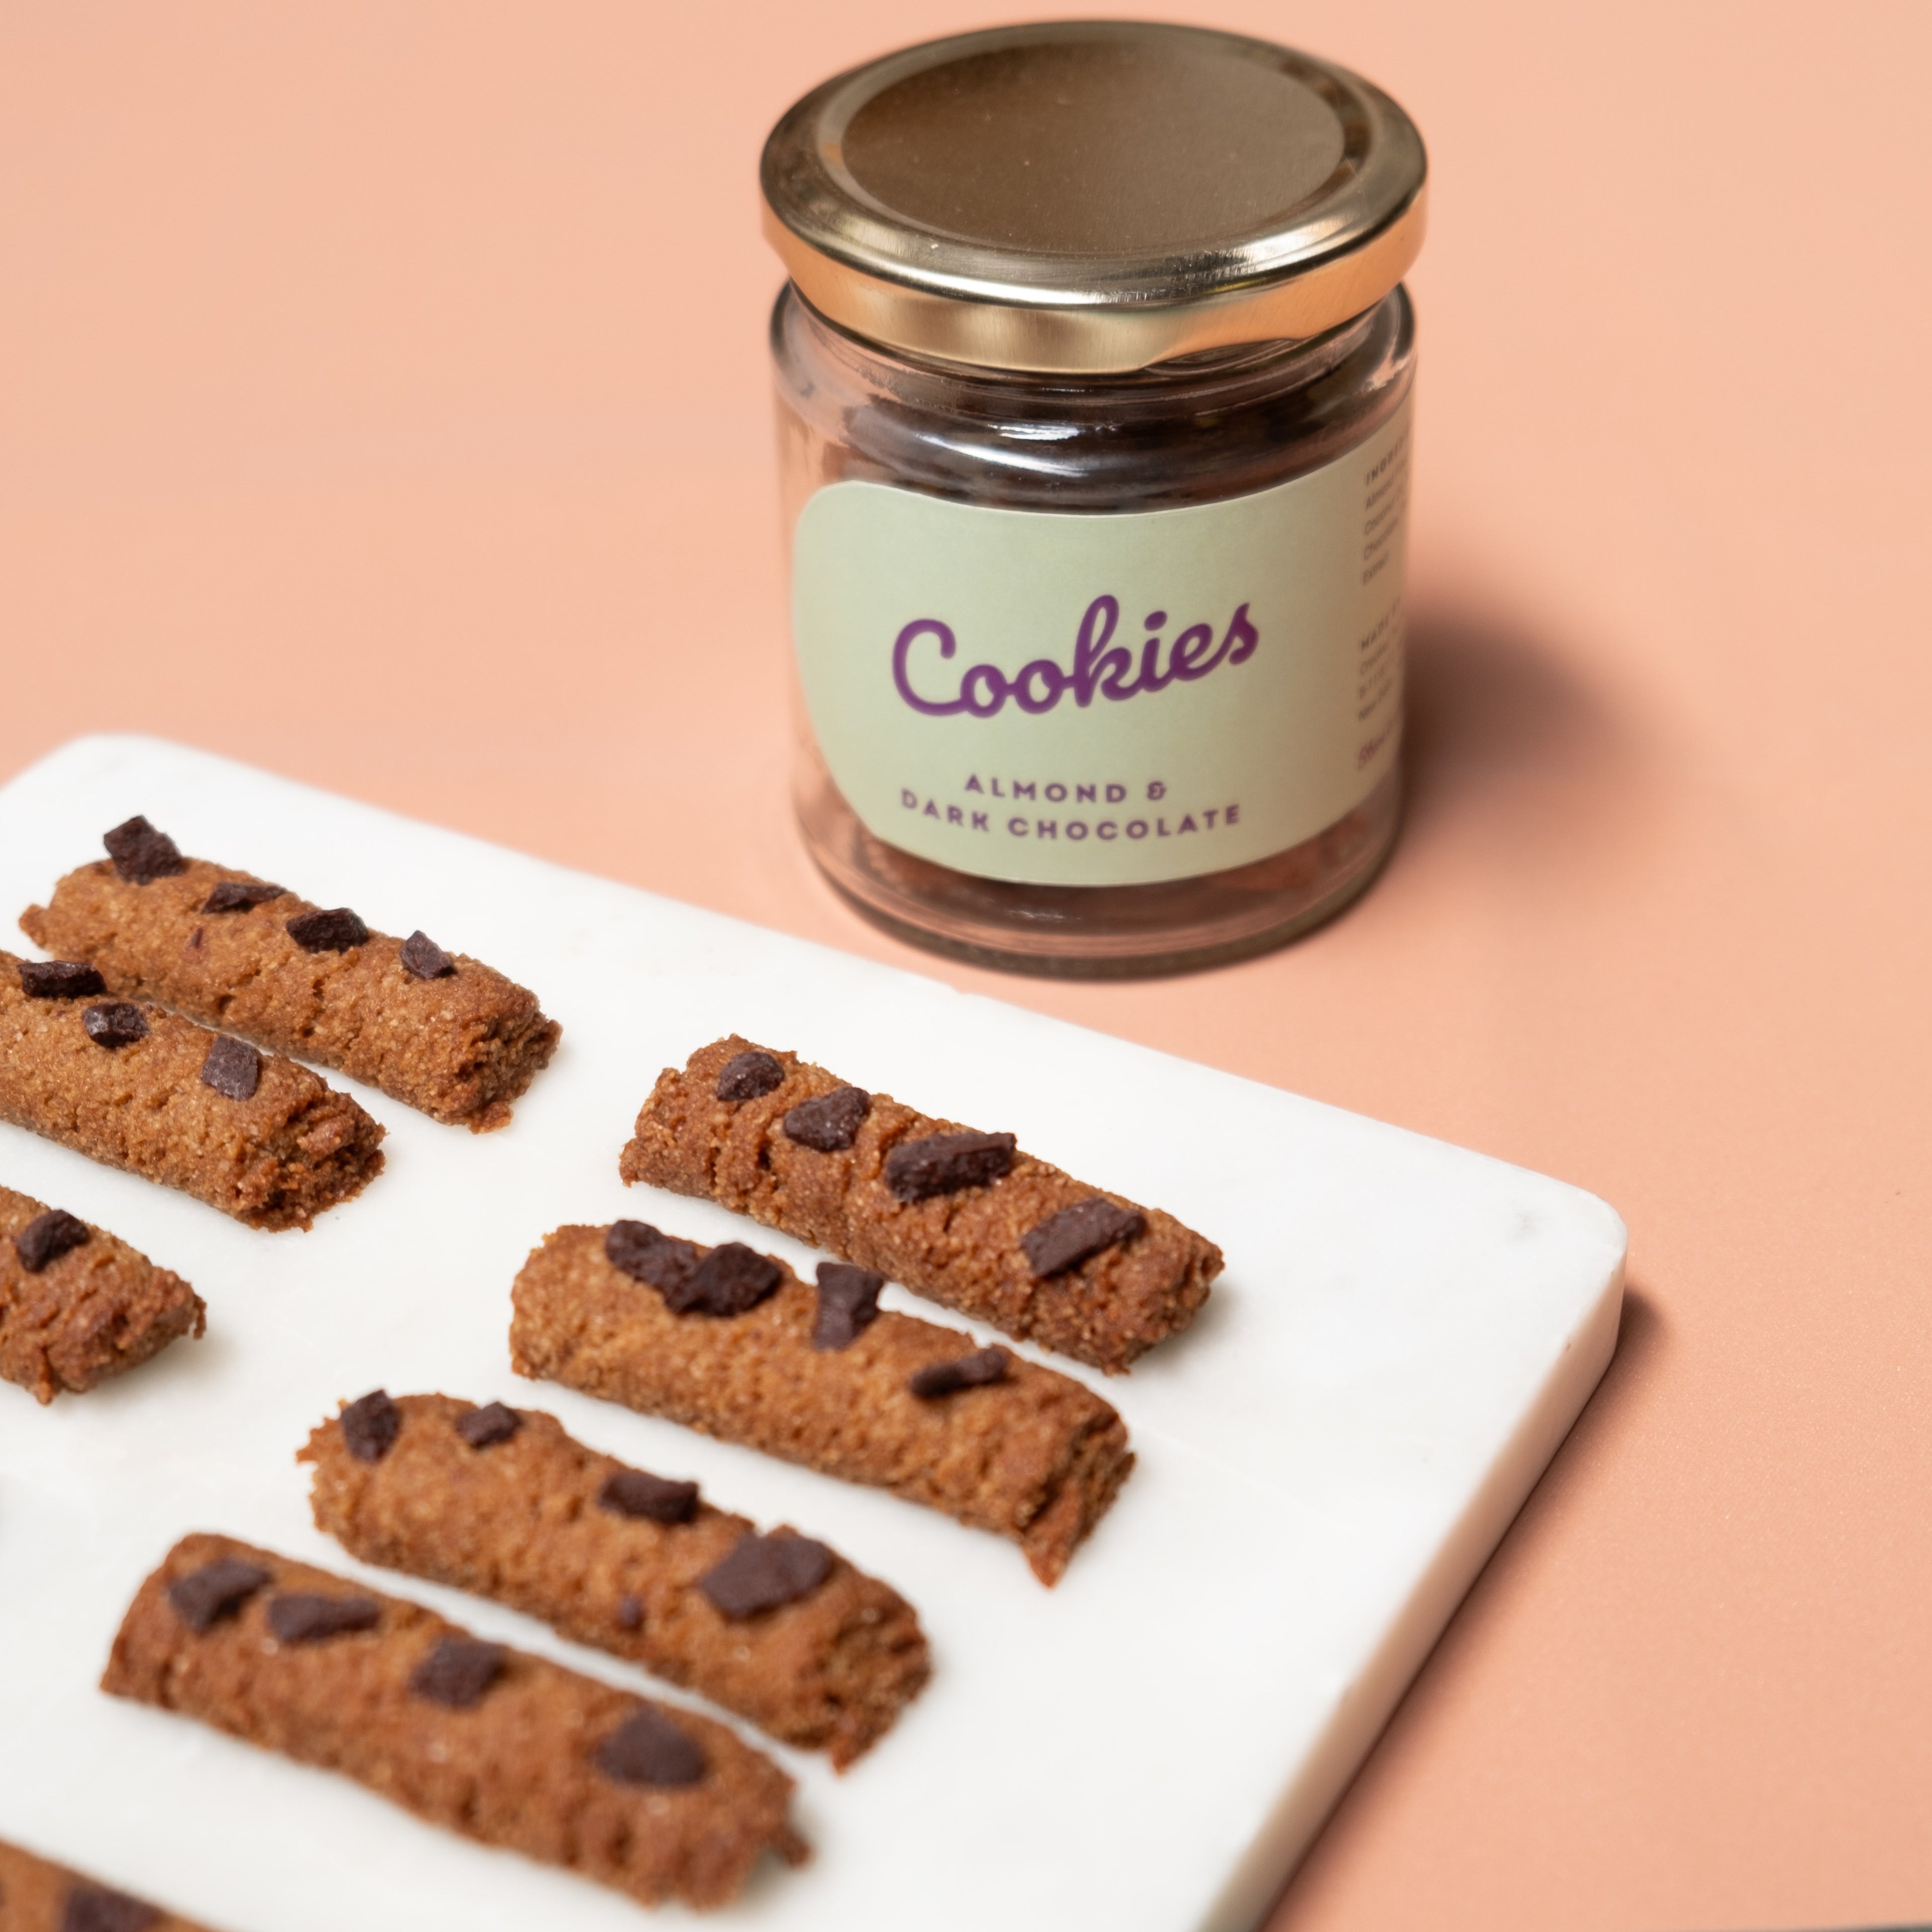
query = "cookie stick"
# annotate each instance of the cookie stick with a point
(77, 1306)
(779, 1629)
(36, 1895)
(437, 1030)
(491, 1742)
(258, 1137)
(965, 1219)
(732, 1343)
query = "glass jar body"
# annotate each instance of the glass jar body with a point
(1211, 431)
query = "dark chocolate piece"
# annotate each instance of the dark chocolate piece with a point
(117, 1023)
(494, 1423)
(1077, 1234)
(974, 1371)
(848, 1303)
(241, 895)
(93, 1908)
(731, 1279)
(647, 1749)
(424, 959)
(830, 1124)
(232, 1067)
(204, 1597)
(48, 1236)
(762, 1572)
(302, 1616)
(749, 1076)
(336, 930)
(637, 1493)
(59, 979)
(631, 1613)
(458, 1671)
(944, 1163)
(370, 1425)
(659, 1261)
(141, 854)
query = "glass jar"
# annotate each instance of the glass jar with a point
(1097, 529)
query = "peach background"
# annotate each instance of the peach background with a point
(383, 399)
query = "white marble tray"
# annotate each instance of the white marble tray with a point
(1404, 1332)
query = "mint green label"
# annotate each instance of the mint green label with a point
(1097, 700)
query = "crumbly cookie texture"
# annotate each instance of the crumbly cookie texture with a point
(749, 1354)
(965, 1219)
(36, 1895)
(79, 1306)
(500, 1746)
(438, 1031)
(130, 1085)
(502, 1502)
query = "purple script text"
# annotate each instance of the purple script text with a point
(1100, 665)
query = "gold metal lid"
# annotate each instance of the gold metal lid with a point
(1094, 195)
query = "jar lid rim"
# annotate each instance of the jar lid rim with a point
(1093, 195)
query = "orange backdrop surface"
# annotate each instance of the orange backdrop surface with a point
(383, 399)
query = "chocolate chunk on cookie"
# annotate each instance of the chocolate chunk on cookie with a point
(423, 959)
(306, 1616)
(141, 854)
(370, 1425)
(763, 1572)
(830, 1124)
(48, 1236)
(749, 1076)
(978, 1370)
(848, 1303)
(945, 1163)
(483, 1428)
(642, 1496)
(95, 1908)
(203, 1597)
(242, 896)
(649, 1749)
(336, 930)
(115, 1023)
(232, 1067)
(1078, 1234)
(59, 979)
(660, 1260)
(458, 1672)
(732, 1279)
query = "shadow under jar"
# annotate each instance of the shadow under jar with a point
(1094, 449)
